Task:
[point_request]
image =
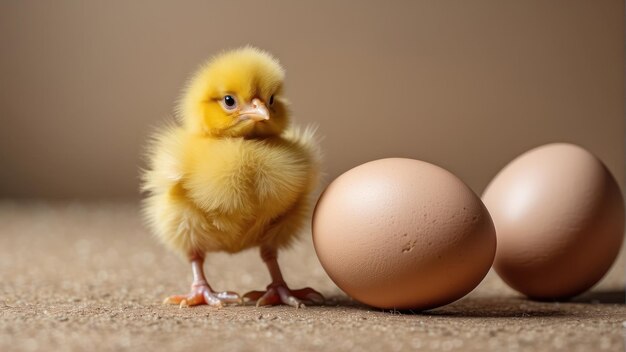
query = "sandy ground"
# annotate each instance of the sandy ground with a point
(78, 276)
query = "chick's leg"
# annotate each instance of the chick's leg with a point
(201, 292)
(277, 292)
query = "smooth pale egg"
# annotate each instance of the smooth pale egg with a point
(402, 233)
(559, 217)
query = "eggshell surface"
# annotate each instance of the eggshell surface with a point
(559, 217)
(402, 233)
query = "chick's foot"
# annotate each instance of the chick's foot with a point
(279, 293)
(203, 294)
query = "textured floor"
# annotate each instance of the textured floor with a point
(89, 277)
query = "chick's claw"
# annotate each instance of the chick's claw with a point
(204, 295)
(281, 294)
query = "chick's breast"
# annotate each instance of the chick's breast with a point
(245, 186)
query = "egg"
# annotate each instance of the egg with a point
(402, 233)
(559, 217)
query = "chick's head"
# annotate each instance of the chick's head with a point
(236, 94)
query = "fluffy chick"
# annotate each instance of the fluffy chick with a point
(230, 176)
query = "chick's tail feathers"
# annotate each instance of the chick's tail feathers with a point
(162, 155)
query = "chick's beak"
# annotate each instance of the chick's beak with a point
(255, 111)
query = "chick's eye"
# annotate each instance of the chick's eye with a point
(229, 102)
(272, 100)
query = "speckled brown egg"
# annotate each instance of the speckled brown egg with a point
(403, 233)
(559, 217)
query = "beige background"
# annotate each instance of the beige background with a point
(464, 84)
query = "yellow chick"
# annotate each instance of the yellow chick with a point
(231, 176)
